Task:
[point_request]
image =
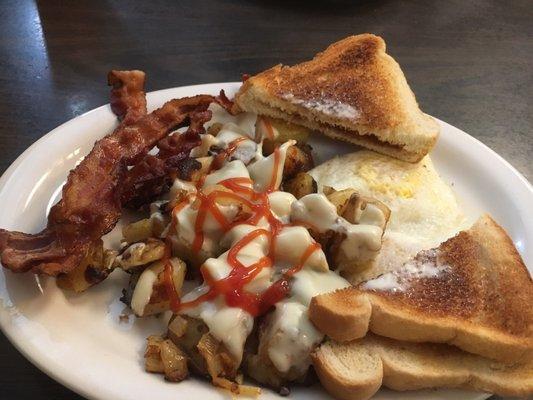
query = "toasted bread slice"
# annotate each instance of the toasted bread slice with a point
(473, 291)
(352, 91)
(356, 370)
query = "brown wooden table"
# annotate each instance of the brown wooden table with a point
(469, 62)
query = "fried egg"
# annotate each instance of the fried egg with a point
(424, 209)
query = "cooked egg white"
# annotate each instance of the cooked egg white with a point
(424, 210)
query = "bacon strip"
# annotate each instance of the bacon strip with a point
(128, 100)
(91, 201)
(223, 101)
(154, 174)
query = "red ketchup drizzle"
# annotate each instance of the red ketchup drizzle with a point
(232, 286)
(219, 159)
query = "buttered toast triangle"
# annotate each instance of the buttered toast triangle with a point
(473, 291)
(352, 91)
(356, 370)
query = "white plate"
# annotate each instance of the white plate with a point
(78, 340)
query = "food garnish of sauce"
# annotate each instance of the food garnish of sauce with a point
(257, 208)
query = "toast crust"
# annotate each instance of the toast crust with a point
(478, 301)
(353, 91)
(356, 370)
(337, 379)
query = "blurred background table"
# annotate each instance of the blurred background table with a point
(469, 63)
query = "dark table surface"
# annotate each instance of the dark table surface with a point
(469, 63)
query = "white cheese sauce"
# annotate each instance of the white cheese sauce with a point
(230, 325)
(291, 335)
(362, 242)
(262, 170)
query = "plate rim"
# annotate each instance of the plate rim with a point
(37, 358)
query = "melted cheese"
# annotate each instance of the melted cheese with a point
(290, 334)
(291, 337)
(281, 205)
(262, 170)
(185, 229)
(245, 121)
(292, 242)
(308, 284)
(362, 242)
(230, 325)
(316, 210)
(144, 287)
(207, 142)
(180, 186)
(232, 169)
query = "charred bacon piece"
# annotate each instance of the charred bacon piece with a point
(91, 201)
(223, 101)
(154, 174)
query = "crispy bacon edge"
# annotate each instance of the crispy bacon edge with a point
(223, 101)
(127, 99)
(91, 198)
(154, 174)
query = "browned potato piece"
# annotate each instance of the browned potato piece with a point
(366, 210)
(188, 340)
(236, 388)
(205, 163)
(141, 304)
(219, 362)
(164, 357)
(262, 371)
(152, 355)
(327, 190)
(298, 159)
(93, 269)
(258, 365)
(206, 355)
(140, 253)
(340, 198)
(214, 129)
(137, 231)
(174, 361)
(177, 327)
(358, 209)
(299, 186)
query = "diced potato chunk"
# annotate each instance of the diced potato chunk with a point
(150, 295)
(174, 361)
(140, 253)
(152, 355)
(137, 231)
(298, 159)
(93, 269)
(164, 357)
(301, 185)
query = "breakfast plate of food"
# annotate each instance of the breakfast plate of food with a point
(307, 232)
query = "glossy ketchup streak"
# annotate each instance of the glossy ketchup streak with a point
(220, 158)
(255, 207)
